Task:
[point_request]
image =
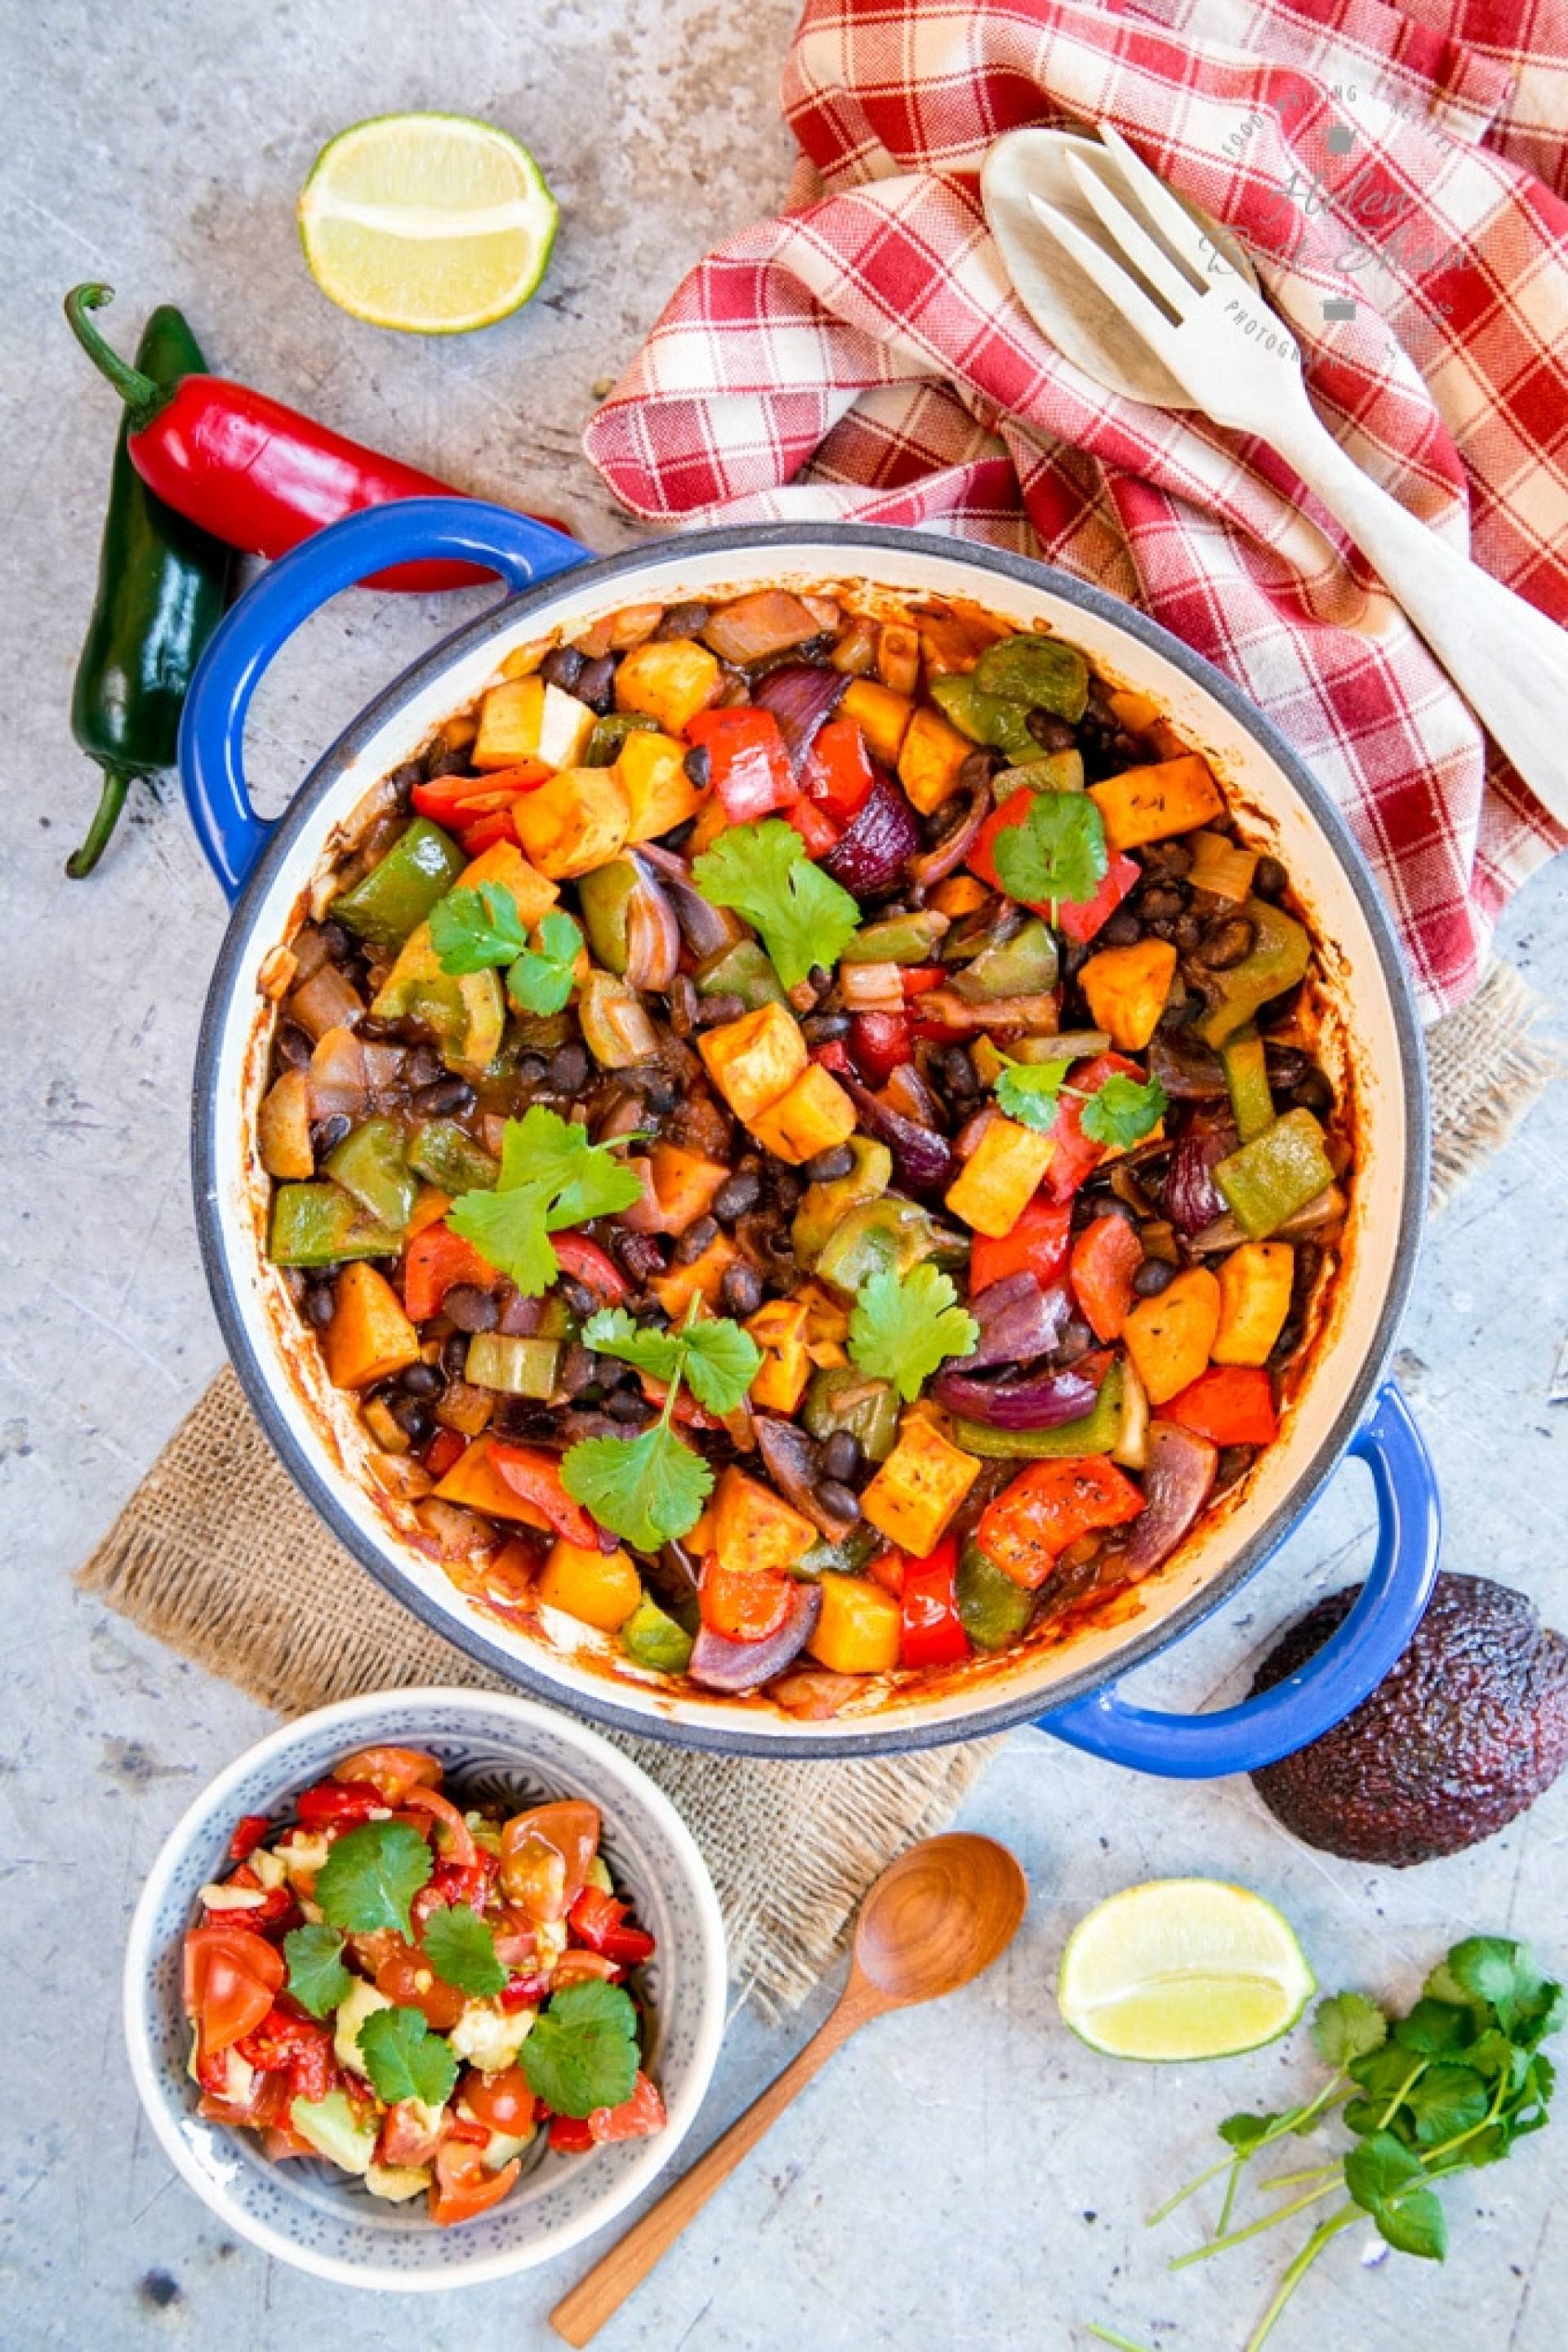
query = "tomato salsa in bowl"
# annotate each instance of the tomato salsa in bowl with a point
(429, 1969)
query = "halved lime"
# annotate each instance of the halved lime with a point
(430, 222)
(1183, 1967)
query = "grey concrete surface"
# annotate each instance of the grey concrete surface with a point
(967, 2174)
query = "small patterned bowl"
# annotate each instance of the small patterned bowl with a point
(321, 2220)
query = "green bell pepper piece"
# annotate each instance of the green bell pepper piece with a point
(899, 939)
(524, 1368)
(822, 1206)
(986, 718)
(395, 897)
(1265, 1181)
(652, 1639)
(1042, 673)
(840, 1397)
(891, 1232)
(1094, 1431)
(321, 1225)
(745, 971)
(605, 895)
(465, 1013)
(845, 1558)
(1246, 1075)
(994, 1609)
(1279, 955)
(445, 1154)
(610, 732)
(369, 1164)
(1025, 965)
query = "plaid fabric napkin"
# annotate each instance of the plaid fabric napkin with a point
(1400, 176)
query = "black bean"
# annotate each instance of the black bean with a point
(736, 1194)
(1173, 858)
(563, 665)
(742, 1289)
(786, 1188)
(818, 1027)
(841, 1457)
(422, 1380)
(402, 781)
(1288, 1342)
(1153, 1276)
(532, 1069)
(1235, 1461)
(424, 1066)
(519, 1316)
(1122, 931)
(293, 1046)
(979, 768)
(1226, 941)
(568, 1069)
(1304, 1272)
(628, 1404)
(698, 766)
(454, 1354)
(1287, 1065)
(321, 1301)
(341, 948)
(447, 1098)
(470, 1308)
(1186, 931)
(596, 683)
(1270, 879)
(957, 1073)
(443, 758)
(326, 1134)
(578, 1297)
(581, 1368)
(695, 1240)
(1159, 902)
(840, 1501)
(713, 1012)
(660, 1093)
(1052, 734)
(637, 1253)
(1075, 1340)
(415, 1420)
(821, 980)
(1314, 1093)
(828, 1166)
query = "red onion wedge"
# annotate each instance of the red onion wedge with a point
(706, 930)
(934, 866)
(877, 843)
(653, 935)
(1191, 1200)
(923, 1161)
(801, 700)
(1018, 1320)
(1176, 1480)
(731, 1667)
(1038, 1400)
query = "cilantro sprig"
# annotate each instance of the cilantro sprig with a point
(582, 2050)
(1453, 2084)
(372, 1876)
(540, 980)
(550, 1177)
(1120, 1111)
(762, 872)
(461, 1949)
(651, 1492)
(904, 1325)
(317, 1977)
(716, 1359)
(472, 930)
(405, 2059)
(1056, 854)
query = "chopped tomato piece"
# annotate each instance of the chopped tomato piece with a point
(296, 2046)
(587, 1263)
(535, 1475)
(574, 1966)
(460, 1847)
(634, 2118)
(408, 1980)
(230, 1976)
(1037, 1245)
(463, 2187)
(743, 1604)
(598, 1919)
(545, 1854)
(436, 1260)
(932, 1633)
(1105, 1257)
(249, 1834)
(838, 771)
(339, 1804)
(1048, 1507)
(502, 2101)
(1230, 1404)
(392, 1771)
(749, 765)
(264, 2110)
(407, 2135)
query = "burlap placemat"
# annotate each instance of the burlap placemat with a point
(219, 1556)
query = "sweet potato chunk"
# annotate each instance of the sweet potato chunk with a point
(1152, 802)
(369, 1338)
(576, 822)
(671, 679)
(755, 1061)
(1170, 1337)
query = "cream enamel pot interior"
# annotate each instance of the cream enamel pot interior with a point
(1374, 1047)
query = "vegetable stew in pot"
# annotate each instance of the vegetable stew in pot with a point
(802, 1133)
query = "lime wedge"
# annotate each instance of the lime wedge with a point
(430, 222)
(1183, 1967)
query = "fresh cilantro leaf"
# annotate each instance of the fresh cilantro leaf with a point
(649, 1492)
(1494, 1970)
(904, 1325)
(471, 929)
(582, 2050)
(1030, 1092)
(461, 1949)
(1378, 2167)
(1056, 854)
(1123, 1111)
(372, 1876)
(1414, 2224)
(1347, 2026)
(540, 980)
(1435, 2028)
(405, 2059)
(1243, 2132)
(762, 872)
(1445, 2101)
(317, 1977)
(718, 1361)
(550, 1177)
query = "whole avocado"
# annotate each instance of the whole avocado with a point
(1464, 1733)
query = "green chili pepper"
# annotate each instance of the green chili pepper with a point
(899, 939)
(446, 1155)
(1025, 965)
(161, 589)
(610, 734)
(604, 897)
(745, 971)
(369, 1164)
(1094, 1431)
(840, 1397)
(321, 1225)
(1279, 957)
(986, 718)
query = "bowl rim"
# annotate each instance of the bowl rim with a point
(880, 1735)
(711, 1984)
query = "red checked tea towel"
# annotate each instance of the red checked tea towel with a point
(1400, 178)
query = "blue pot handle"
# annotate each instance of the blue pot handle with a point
(1321, 1693)
(212, 729)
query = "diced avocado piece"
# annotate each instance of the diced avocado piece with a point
(361, 2001)
(650, 1638)
(334, 2131)
(397, 2183)
(321, 1225)
(398, 894)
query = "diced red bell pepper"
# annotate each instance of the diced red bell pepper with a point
(879, 1043)
(1077, 1155)
(1230, 1404)
(838, 772)
(595, 1268)
(815, 826)
(1079, 923)
(248, 1833)
(833, 1056)
(597, 1918)
(749, 767)
(339, 1804)
(634, 2118)
(436, 1261)
(932, 1631)
(535, 1475)
(1105, 1257)
(1047, 1508)
(914, 979)
(524, 1991)
(982, 857)
(1037, 1245)
(461, 801)
(445, 1449)
(888, 1570)
(499, 825)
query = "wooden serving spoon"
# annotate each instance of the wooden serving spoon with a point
(936, 1917)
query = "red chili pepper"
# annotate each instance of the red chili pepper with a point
(1230, 1404)
(749, 765)
(879, 1043)
(595, 1917)
(587, 1263)
(340, 1803)
(838, 771)
(932, 1633)
(250, 1831)
(257, 475)
(815, 829)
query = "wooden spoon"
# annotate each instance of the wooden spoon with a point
(935, 1918)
